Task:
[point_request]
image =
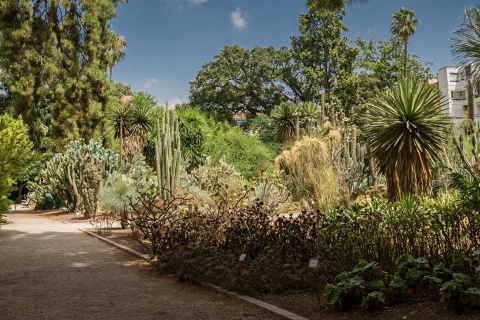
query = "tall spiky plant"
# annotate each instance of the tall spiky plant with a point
(406, 132)
(168, 154)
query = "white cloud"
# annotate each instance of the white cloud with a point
(198, 1)
(237, 18)
(173, 102)
(149, 83)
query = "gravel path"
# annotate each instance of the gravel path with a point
(51, 270)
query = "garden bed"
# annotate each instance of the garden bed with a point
(306, 303)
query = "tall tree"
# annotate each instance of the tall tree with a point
(54, 60)
(417, 130)
(116, 52)
(380, 64)
(238, 80)
(327, 61)
(332, 4)
(404, 25)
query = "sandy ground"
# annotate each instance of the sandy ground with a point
(51, 270)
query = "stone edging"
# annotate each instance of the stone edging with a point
(269, 307)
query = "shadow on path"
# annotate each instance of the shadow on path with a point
(49, 270)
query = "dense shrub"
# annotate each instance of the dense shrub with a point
(15, 155)
(245, 152)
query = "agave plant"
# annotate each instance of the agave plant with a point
(406, 131)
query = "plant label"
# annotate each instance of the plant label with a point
(242, 257)
(313, 263)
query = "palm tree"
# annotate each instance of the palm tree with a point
(466, 46)
(404, 25)
(406, 131)
(116, 52)
(133, 120)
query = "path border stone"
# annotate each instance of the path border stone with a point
(264, 305)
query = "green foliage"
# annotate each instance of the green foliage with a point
(417, 130)
(57, 78)
(326, 59)
(263, 126)
(194, 127)
(76, 175)
(284, 118)
(465, 46)
(380, 65)
(245, 152)
(404, 26)
(120, 191)
(238, 80)
(15, 156)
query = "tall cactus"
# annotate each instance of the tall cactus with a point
(167, 151)
(471, 160)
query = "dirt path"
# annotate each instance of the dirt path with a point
(51, 270)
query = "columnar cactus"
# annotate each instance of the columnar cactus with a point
(471, 159)
(167, 151)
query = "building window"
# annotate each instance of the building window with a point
(457, 95)
(454, 77)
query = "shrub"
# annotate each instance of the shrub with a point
(245, 152)
(15, 155)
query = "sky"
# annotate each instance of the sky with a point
(168, 41)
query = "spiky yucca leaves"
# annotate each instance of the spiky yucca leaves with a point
(310, 113)
(283, 117)
(406, 130)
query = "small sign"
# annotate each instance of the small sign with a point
(242, 257)
(313, 263)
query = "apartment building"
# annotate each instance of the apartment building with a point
(452, 83)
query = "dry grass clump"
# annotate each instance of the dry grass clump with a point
(309, 167)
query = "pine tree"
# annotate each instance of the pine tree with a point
(54, 60)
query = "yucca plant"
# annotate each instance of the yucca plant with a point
(406, 131)
(284, 119)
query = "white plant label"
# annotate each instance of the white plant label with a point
(242, 257)
(313, 263)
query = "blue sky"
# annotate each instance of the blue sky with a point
(170, 40)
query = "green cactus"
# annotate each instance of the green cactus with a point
(76, 175)
(470, 157)
(168, 156)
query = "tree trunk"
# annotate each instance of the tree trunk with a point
(470, 102)
(405, 60)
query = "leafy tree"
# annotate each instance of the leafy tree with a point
(238, 80)
(380, 63)
(404, 25)
(327, 61)
(54, 60)
(332, 4)
(193, 127)
(417, 130)
(15, 155)
(263, 126)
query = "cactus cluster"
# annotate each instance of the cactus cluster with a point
(76, 175)
(168, 155)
